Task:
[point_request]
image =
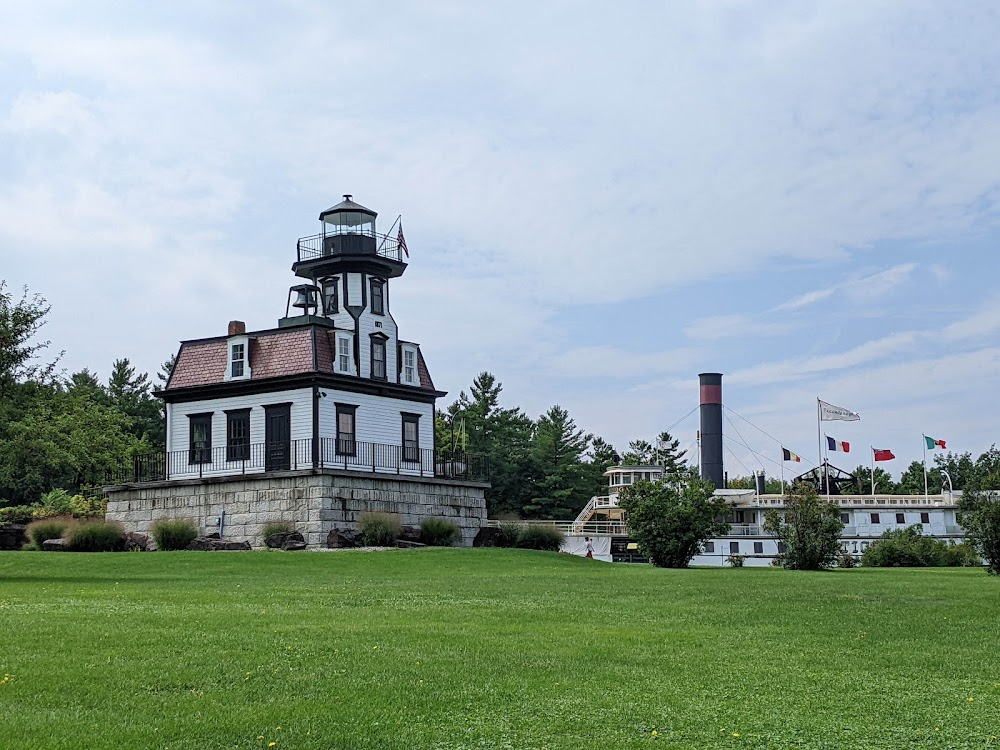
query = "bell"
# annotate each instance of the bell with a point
(302, 300)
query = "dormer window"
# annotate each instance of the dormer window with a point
(343, 361)
(238, 361)
(409, 365)
(378, 297)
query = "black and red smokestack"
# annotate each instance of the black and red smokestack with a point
(711, 428)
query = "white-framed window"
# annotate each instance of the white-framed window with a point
(238, 359)
(410, 375)
(344, 356)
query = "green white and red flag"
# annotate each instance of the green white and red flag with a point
(933, 444)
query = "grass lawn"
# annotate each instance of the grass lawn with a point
(488, 649)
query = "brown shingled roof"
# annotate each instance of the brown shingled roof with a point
(272, 354)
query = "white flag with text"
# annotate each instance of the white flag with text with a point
(830, 413)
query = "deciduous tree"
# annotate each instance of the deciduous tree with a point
(809, 528)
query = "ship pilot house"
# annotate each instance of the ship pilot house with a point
(331, 390)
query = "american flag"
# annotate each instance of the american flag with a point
(402, 240)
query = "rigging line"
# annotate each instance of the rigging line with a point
(738, 459)
(747, 445)
(682, 418)
(781, 444)
(759, 455)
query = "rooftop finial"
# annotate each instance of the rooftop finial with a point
(347, 196)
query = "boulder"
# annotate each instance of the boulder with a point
(212, 544)
(135, 542)
(54, 545)
(12, 536)
(410, 534)
(277, 539)
(293, 545)
(344, 538)
(213, 535)
(405, 544)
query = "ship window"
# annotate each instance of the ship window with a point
(925, 518)
(875, 518)
(758, 548)
(844, 518)
(709, 547)
(734, 548)
(900, 518)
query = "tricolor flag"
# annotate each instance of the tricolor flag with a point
(400, 239)
(838, 445)
(787, 455)
(883, 454)
(932, 443)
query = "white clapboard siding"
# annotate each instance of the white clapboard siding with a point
(179, 433)
(353, 281)
(366, 326)
(378, 419)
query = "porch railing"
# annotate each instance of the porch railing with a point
(329, 453)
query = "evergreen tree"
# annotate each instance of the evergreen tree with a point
(129, 392)
(912, 480)
(665, 452)
(564, 487)
(883, 481)
(601, 457)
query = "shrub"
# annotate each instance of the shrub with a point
(379, 529)
(82, 506)
(979, 513)
(16, 514)
(670, 521)
(963, 555)
(173, 533)
(95, 536)
(809, 528)
(276, 527)
(909, 548)
(536, 536)
(57, 502)
(41, 531)
(507, 532)
(438, 532)
(736, 560)
(846, 560)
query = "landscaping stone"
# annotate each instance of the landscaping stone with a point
(214, 544)
(277, 539)
(135, 542)
(406, 544)
(12, 536)
(344, 538)
(293, 545)
(54, 545)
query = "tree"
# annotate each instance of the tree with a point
(912, 480)
(671, 520)
(557, 449)
(772, 485)
(663, 453)
(960, 467)
(809, 529)
(19, 322)
(979, 513)
(129, 392)
(601, 457)
(883, 481)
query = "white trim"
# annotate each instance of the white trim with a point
(231, 343)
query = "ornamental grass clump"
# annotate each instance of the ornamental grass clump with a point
(437, 532)
(507, 533)
(173, 533)
(41, 531)
(379, 529)
(95, 536)
(533, 536)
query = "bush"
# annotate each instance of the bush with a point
(41, 531)
(909, 548)
(173, 533)
(276, 527)
(846, 560)
(536, 536)
(379, 529)
(809, 528)
(57, 502)
(95, 536)
(736, 560)
(507, 532)
(963, 555)
(437, 532)
(670, 521)
(16, 514)
(979, 513)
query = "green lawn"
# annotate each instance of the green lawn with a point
(488, 649)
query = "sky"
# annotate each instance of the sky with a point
(601, 200)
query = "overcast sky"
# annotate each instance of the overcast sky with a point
(600, 202)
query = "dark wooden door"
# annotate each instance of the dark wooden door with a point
(277, 437)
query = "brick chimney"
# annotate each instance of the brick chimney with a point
(237, 327)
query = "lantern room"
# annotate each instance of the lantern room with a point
(348, 228)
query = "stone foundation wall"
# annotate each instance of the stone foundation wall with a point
(315, 501)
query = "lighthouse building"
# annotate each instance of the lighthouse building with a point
(330, 407)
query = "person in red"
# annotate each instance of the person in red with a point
(590, 547)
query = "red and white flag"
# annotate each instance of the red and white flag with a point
(401, 241)
(883, 454)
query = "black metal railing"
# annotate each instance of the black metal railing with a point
(330, 453)
(321, 246)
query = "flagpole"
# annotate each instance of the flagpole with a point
(925, 467)
(873, 469)
(819, 439)
(782, 471)
(826, 472)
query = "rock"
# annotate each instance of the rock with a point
(135, 542)
(277, 539)
(404, 544)
(293, 545)
(12, 536)
(410, 534)
(213, 535)
(54, 545)
(344, 538)
(214, 544)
